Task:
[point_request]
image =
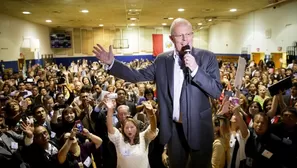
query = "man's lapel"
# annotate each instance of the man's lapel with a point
(170, 72)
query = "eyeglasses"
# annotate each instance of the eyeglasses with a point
(181, 36)
(43, 133)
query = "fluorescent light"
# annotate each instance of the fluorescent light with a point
(26, 13)
(132, 24)
(233, 10)
(164, 24)
(180, 9)
(133, 18)
(170, 18)
(85, 11)
(199, 24)
(48, 21)
(101, 25)
(209, 20)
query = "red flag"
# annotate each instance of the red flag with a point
(157, 44)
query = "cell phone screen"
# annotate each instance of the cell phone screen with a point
(79, 125)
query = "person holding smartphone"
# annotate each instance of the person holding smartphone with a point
(73, 154)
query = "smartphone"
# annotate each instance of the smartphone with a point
(30, 80)
(234, 100)
(112, 96)
(79, 125)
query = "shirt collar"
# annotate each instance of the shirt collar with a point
(175, 54)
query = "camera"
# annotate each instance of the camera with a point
(57, 107)
(61, 77)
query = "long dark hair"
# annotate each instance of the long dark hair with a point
(136, 137)
(67, 109)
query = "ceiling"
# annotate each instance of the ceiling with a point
(116, 13)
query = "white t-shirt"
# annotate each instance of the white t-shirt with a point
(131, 156)
(241, 150)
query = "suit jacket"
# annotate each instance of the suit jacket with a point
(289, 101)
(197, 119)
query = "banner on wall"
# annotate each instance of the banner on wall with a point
(161, 43)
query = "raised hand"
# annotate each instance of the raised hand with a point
(102, 55)
(109, 103)
(148, 107)
(27, 128)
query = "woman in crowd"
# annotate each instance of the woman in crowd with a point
(260, 98)
(86, 81)
(220, 154)
(73, 154)
(68, 118)
(131, 145)
(253, 109)
(239, 134)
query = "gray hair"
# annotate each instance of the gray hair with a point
(124, 107)
(179, 21)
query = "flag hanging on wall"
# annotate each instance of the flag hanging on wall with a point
(161, 43)
(157, 44)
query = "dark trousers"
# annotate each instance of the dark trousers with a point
(181, 155)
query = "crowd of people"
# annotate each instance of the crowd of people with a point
(41, 114)
(81, 116)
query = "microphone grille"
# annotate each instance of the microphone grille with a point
(186, 48)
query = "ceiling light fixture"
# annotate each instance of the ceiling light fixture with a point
(133, 18)
(134, 10)
(48, 21)
(164, 24)
(200, 24)
(180, 9)
(170, 18)
(26, 13)
(233, 10)
(209, 20)
(84, 11)
(132, 24)
(101, 25)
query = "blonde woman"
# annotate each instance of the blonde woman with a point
(220, 154)
(131, 144)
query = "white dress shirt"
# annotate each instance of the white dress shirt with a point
(178, 80)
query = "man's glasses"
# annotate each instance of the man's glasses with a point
(181, 36)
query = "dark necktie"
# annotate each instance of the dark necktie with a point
(234, 155)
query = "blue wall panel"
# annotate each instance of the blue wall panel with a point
(67, 60)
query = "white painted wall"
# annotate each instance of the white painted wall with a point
(32, 39)
(249, 31)
(16, 33)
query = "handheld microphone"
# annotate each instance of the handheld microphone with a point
(187, 50)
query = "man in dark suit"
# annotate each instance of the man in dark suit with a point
(185, 113)
(291, 98)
